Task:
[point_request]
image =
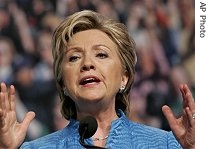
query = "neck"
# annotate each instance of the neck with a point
(102, 133)
(104, 120)
(104, 126)
(95, 108)
(101, 113)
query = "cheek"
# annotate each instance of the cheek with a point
(115, 69)
(70, 83)
(69, 76)
(114, 74)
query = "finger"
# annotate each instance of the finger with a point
(27, 120)
(190, 103)
(5, 93)
(12, 98)
(188, 98)
(183, 95)
(3, 88)
(2, 103)
(185, 90)
(2, 109)
(190, 116)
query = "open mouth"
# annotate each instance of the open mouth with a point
(88, 80)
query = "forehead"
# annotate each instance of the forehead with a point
(92, 37)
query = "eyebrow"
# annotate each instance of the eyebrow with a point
(77, 48)
(102, 45)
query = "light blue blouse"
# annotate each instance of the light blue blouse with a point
(124, 134)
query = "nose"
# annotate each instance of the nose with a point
(87, 67)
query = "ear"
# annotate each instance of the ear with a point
(65, 92)
(124, 79)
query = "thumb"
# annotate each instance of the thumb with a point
(168, 113)
(170, 117)
(27, 119)
(24, 127)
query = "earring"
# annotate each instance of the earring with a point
(122, 88)
(65, 92)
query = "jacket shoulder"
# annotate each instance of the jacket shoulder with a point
(48, 141)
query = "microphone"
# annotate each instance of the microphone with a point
(87, 128)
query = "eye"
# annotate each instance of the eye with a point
(102, 55)
(73, 58)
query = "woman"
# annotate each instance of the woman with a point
(94, 63)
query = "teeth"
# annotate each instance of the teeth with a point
(89, 79)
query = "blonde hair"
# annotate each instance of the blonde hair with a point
(85, 20)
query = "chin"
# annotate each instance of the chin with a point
(92, 98)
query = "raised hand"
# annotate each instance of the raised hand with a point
(12, 133)
(183, 127)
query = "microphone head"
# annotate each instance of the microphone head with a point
(88, 127)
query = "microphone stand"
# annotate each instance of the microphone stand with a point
(81, 141)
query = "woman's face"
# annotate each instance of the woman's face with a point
(92, 70)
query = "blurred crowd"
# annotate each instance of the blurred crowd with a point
(162, 29)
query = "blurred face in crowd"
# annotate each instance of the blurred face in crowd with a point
(92, 70)
(44, 42)
(5, 53)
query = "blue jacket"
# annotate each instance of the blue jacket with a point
(124, 134)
